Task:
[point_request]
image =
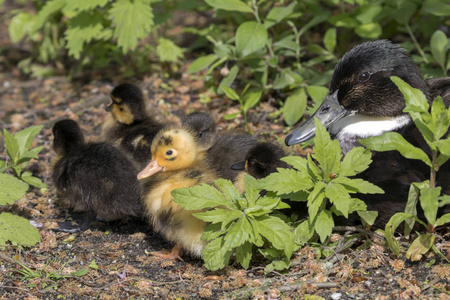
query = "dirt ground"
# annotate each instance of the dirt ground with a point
(116, 253)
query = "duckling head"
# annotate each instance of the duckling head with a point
(173, 149)
(362, 100)
(261, 160)
(127, 104)
(67, 137)
(202, 124)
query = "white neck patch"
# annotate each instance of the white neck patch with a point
(362, 126)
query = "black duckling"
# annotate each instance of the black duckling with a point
(129, 126)
(224, 150)
(363, 101)
(95, 178)
(179, 159)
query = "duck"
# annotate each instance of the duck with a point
(223, 150)
(178, 160)
(93, 178)
(362, 100)
(128, 125)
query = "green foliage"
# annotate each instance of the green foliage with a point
(11, 189)
(239, 223)
(433, 124)
(18, 149)
(17, 230)
(326, 187)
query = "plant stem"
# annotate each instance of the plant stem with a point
(255, 11)
(416, 43)
(433, 169)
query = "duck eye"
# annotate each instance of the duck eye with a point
(169, 152)
(363, 77)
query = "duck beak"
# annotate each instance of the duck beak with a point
(240, 166)
(150, 169)
(329, 112)
(109, 107)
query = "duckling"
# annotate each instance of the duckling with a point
(129, 126)
(179, 159)
(95, 178)
(363, 101)
(224, 150)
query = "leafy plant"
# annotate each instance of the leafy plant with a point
(17, 230)
(326, 187)
(18, 148)
(433, 125)
(238, 223)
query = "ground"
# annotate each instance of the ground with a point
(116, 253)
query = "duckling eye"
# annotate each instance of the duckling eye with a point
(169, 152)
(363, 77)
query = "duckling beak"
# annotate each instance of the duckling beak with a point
(150, 169)
(329, 112)
(240, 166)
(109, 107)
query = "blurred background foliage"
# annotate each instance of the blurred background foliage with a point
(283, 50)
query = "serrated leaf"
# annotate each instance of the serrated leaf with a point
(230, 93)
(297, 162)
(215, 255)
(11, 189)
(338, 195)
(355, 161)
(212, 231)
(278, 13)
(250, 37)
(230, 192)
(394, 141)
(324, 224)
(168, 51)
(390, 228)
(251, 189)
(303, 233)
(17, 230)
(329, 39)
(34, 181)
(315, 199)
(276, 232)
(327, 152)
(230, 5)
(84, 5)
(202, 63)
(438, 45)
(219, 215)
(237, 234)
(358, 185)
(294, 106)
(420, 246)
(287, 181)
(244, 254)
(429, 202)
(49, 8)
(198, 197)
(132, 20)
(12, 146)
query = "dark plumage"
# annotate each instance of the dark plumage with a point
(129, 126)
(96, 178)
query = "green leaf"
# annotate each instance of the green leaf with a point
(202, 63)
(303, 233)
(429, 202)
(324, 225)
(338, 195)
(411, 204)
(212, 231)
(219, 215)
(237, 234)
(11, 189)
(230, 5)
(294, 106)
(86, 5)
(329, 39)
(34, 181)
(250, 37)
(394, 141)
(315, 199)
(244, 254)
(442, 220)
(420, 246)
(316, 92)
(358, 185)
(355, 161)
(287, 181)
(369, 30)
(327, 152)
(444, 148)
(198, 197)
(439, 118)
(80, 272)
(437, 7)
(278, 13)
(404, 12)
(230, 192)
(49, 8)
(438, 45)
(19, 26)
(33, 153)
(390, 228)
(228, 80)
(17, 230)
(132, 20)
(319, 17)
(168, 51)
(93, 265)
(276, 232)
(251, 99)
(231, 116)
(230, 93)
(251, 189)
(368, 216)
(297, 162)
(215, 255)
(12, 146)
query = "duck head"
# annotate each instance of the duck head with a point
(173, 149)
(127, 104)
(362, 100)
(202, 124)
(67, 137)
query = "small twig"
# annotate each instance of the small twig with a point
(431, 283)
(296, 286)
(357, 229)
(13, 287)
(338, 250)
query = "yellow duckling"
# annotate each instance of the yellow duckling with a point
(179, 157)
